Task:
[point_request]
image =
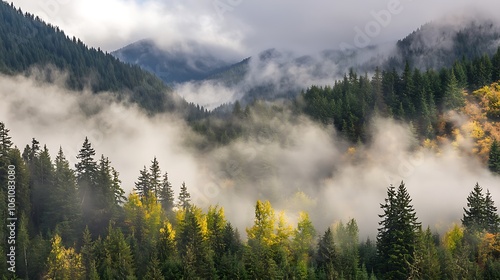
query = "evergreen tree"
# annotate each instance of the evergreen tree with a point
(494, 158)
(492, 220)
(166, 195)
(5, 140)
(184, 198)
(426, 259)
(118, 259)
(453, 95)
(143, 184)
(326, 257)
(88, 258)
(347, 249)
(474, 217)
(397, 234)
(192, 247)
(155, 178)
(154, 271)
(86, 175)
(42, 189)
(64, 208)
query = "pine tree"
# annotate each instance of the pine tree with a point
(5, 140)
(155, 178)
(347, 249)
(166, 195)
(88, 258)
(492, 220)
(426, 259)
(143, 184)
(192, 247)
(86, 175)
(494, 158)
(216, 223)
(184, 198)
(154, 271)
(474, 216)
(453, 95)
(397, 234)
(42, 175)
(118, 259)
(64, 199)
(326, 257)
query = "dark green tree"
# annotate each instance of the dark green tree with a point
(166, 195)
(494, 158)
(492, 220)
(474, 218)
(326, 256)
(397, 235)
(86, 175)
(184, 198)
(143, 184)
(155, 178)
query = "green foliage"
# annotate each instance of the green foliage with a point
(397, 235)
(481, 213)
(494, 158)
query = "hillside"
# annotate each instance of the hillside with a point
(175, 65)
(26, 42)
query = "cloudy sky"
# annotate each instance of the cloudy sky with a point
(244, 27)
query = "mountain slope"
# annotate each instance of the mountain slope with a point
(175, 65)
(440, 44)
(26, 42)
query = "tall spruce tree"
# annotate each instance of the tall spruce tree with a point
(86, 171)
(155, 178)
(166, 195)
(326, 256)
(184, 198)
(143, 184)
(397, 234)
(474, 218)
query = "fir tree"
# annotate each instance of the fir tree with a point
(494, 158)
(474, 217)
(166, 194)
(492, 220)
(155, 178)
(326, 256)
(184, 198)
(143, 184)
(397, 234)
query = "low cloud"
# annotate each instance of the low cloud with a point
(295, 163)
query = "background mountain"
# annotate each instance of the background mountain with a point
(278, 74)
(181, 63)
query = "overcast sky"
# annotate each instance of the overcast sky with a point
(243, 27)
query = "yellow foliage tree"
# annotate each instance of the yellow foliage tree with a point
(63, 264)
(453, 238)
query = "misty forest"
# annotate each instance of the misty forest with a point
(341, 165)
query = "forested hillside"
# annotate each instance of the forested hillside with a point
(26, 42)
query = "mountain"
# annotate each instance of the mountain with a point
(180, 63)
(27, 42)
(439, 44)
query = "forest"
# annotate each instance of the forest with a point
(78, 223)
